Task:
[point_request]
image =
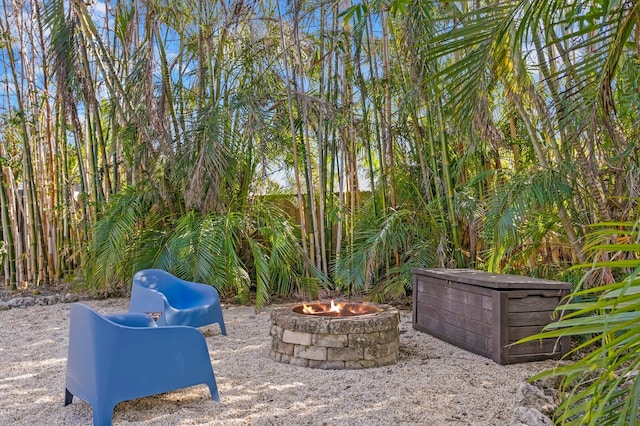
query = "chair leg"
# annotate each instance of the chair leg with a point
(68, 397)
(214, 391)
(223, 330)
(102, 415)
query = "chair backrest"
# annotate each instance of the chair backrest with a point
(181, 302)
(89, 333)
(162, 281)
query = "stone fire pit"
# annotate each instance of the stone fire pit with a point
(329, 341)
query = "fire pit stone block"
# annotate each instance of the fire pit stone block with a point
(317, 353)
(276, 331)
(313, 327)
(300, 362)
(354, 342)
(379, 351)
(366, 363)
(296, 337)
(345, 354)
(282, 347)
(330, 340)
(327, 365)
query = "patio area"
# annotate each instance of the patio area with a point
(433, 382)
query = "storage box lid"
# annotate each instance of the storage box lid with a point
(491, 280)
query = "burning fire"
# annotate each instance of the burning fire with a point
(322, 308)
(333, 309)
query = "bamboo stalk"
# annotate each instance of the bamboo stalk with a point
(446, 168)
(300, 78)
(301, 210)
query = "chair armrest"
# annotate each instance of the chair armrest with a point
(205, 291)
(132, 320)
(158, 346)
(168, 357)
(147, 300)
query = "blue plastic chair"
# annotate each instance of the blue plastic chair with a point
(180, 302)
(114, 358)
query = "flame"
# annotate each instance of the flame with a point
(338, 308)
(307, 309)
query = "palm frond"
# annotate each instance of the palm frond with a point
(371, 260)
(204, 248)
(462, 57)
(476, 49)
(117, 236)
(203, 163)
(601, 388)
(263, 288)
(286, 261)
(510, 208)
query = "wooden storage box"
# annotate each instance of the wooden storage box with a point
(484, 312)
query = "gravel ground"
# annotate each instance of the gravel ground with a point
(433, 383)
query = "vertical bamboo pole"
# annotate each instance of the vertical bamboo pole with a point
(300, 78)
(446, 168)
(301, 212)
(9, 228)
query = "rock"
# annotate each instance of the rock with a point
(4, 306)
(21, 302)
(69, 298)
(52, 300)
(210, 330)
(549, 385)
(527, 416)
(531, 396)
(28, 301)
(46, 300)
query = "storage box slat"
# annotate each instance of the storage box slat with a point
(471, 311)
(455, 319)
